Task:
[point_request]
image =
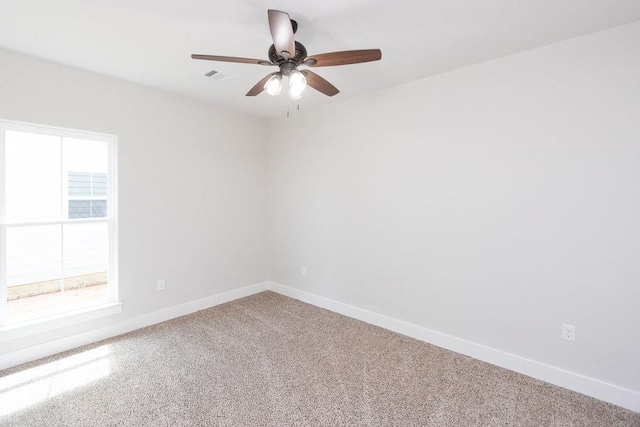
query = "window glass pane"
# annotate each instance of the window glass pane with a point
(55, 268)
(99, 184)
(98, 208)
(79, 209)
(85, 164)
(86, 248)
(34, 267)
(34, 254)
(33, 179)
(79, 184)
(81, 155)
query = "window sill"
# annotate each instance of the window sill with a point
(14, 330)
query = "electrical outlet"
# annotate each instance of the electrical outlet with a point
(303, 270)
(568, 332)
(160, 285)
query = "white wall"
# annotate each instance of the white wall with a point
(491, 203)
(192, 192)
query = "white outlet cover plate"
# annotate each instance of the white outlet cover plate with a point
(568, 332)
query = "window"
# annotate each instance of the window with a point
(57, 221)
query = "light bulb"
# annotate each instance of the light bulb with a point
(297, 83)
(274, 85)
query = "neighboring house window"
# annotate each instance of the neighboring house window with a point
(57, 221)
(87, 195)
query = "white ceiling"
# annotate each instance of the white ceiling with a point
(150, 41)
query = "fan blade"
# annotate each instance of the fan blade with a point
(320, 84)
(343, 58)
(232, 59)
(259, 87)
(282, 33)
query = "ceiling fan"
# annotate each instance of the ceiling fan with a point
(288, 55)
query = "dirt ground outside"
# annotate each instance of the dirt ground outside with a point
(42, 297)
(52, 286)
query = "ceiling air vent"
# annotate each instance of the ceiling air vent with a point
(220, 76)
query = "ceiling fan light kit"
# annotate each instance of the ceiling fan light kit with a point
(297, 84)
(288, 54)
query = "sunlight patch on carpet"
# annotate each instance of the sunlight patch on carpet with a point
(35, 385)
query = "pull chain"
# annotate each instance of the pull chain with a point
(289, 109)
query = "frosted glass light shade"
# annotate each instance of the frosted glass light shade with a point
(297, 84)
(273, 85)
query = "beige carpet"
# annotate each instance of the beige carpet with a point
(272, 360)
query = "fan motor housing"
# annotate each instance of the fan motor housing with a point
(276, 58)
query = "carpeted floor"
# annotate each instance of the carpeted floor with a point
(272, 360)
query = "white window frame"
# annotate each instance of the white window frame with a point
(16, 329)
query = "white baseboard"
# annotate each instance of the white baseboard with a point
(49, 348)
(607, 392)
